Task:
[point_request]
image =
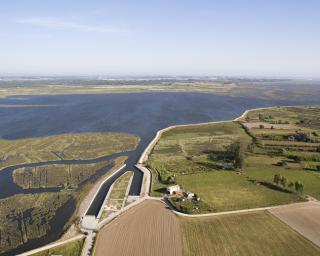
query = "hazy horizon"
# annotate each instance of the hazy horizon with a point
(160, 38)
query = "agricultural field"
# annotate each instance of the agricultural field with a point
(256, 233)
(64, 147)
(117, 198)
(304, 218)
(187, 150)
(66, 176)
(227, 191)
(146, 229)
(232, 165)
(73, 248)
(25, 217)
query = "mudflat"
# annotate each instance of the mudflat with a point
(147, 229)
(303, 217)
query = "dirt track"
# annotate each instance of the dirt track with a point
(304, 218)
(147, 229)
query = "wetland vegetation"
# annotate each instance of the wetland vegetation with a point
(27, 217)
(64, 147)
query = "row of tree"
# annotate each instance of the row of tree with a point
(283, 181)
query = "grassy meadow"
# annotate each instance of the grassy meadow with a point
(282, 141)
(257, 233)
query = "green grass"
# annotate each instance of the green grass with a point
(258, 234)
(183, 152)
(261, 167)
(73, 248)
(227, 190)
(66, 146)
(291, 114)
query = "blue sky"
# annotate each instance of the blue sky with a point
(164, 37)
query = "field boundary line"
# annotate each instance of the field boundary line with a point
(165, 201)
(49, 246)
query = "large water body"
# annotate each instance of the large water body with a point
(142, 114)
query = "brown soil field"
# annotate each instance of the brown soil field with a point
(289, 143)
(258, 131)
(266, 125)
(147, 229)
(304, 218)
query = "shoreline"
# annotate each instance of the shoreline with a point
(147, 181)
(144, 156)
(148, 150)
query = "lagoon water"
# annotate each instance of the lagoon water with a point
(142, 114)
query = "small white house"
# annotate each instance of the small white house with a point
(173, 189)
(190, 195)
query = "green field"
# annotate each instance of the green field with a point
(185, 150)
(67, 176)
(227, 190)
(258, 234)
(198, 158)
(62, 147)
(73, 248)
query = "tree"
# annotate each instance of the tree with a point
(237, 152)
(283, 181)
(290, 185)
(298, 186)
(277, 178)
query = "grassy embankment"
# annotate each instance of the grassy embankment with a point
(195, 157)
(117, 197)
(246, 234)
(73, 248)
(64, 147)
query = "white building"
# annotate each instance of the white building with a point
(173, 189)
(190, 195)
